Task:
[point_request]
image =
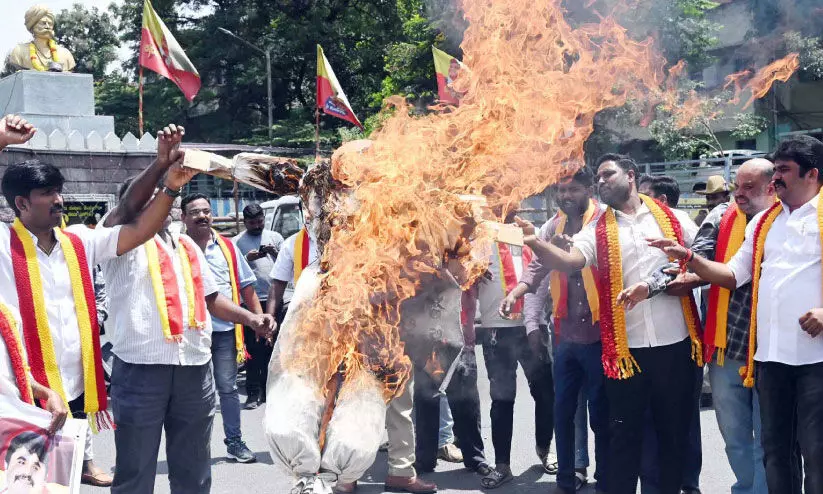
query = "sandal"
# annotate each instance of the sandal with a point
(483, 470)
(549, 463)
(495, 479)
(580, 479)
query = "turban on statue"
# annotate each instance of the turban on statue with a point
(34, 14)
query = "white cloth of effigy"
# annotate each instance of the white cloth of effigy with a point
(295, 409)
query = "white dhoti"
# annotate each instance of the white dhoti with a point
(295, 407)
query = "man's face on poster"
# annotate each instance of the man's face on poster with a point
(25, 472)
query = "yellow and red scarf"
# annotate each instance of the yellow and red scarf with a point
(230, 253)
(302, 246)
(166, 291)
(730, 237)
(618, 362)
(759, 242)
(14, 346)
(508, 274)
(559, 281)
(36, 330)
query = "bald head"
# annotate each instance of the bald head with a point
(754, 190)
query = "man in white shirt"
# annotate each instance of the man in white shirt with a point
(656, 331)
(158, 384)
(788, 318)
(33, 189)
(259, 246)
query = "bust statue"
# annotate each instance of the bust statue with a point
(42, 52)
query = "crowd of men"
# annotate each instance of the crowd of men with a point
(639, 296)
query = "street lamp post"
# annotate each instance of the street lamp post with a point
(267, 53)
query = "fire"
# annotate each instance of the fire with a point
(533, 88)
(760, 83)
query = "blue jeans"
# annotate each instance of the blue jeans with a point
(224, 358)
(577, 368)
(446, 424)
(738, 416)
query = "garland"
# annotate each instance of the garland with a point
(559, 281)
(35, 60)
(508, 275)
(618, 362)
(230, 254)
(20, 368)
(759, 241)
(166, 291)
(302, 244)
(732, 231)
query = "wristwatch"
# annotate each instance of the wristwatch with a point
(171, 192)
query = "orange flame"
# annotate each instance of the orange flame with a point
(760, 83)
(533, 88)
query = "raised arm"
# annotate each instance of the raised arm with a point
(715, 273)
(551, 255)
(15, 130)
(142, 187)
(151, 219)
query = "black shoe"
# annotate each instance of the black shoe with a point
(690, 490)
(236, 449)
(252, 402)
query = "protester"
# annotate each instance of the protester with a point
(661, 187)
(726, 337)
(235, 281)
(666, 190)
(161, 375)
(260, 246)
(577, 348)
(659, 337)
(781, 256)
(446, 449)
(717, 191)
(54, 292)
(505, 343)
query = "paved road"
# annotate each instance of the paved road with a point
(264, 477)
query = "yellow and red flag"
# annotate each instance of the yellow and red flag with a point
(160, 52)
(330, 96)
(447, 67)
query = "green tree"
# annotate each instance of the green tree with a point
(91, 36)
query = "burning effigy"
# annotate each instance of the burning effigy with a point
(408, 229)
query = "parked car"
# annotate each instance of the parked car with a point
(284, 215)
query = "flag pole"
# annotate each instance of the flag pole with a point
(140, 104)
(316, 135)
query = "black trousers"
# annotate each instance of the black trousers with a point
(257, 367)
(502, 350)
(791, 412)
(464, 401)
(150, 399)
(666, 384)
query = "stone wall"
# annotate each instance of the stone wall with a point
(85, 172)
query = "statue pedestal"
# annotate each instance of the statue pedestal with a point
(54, 101)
